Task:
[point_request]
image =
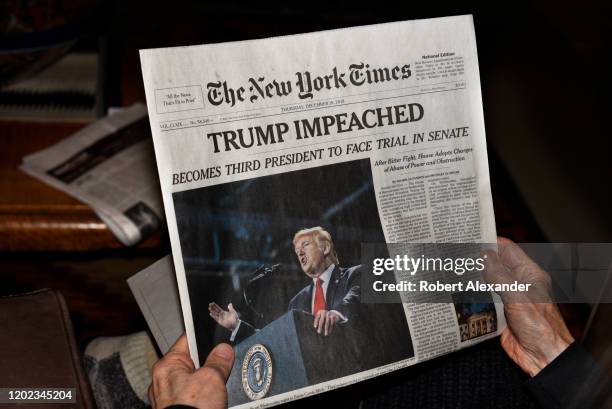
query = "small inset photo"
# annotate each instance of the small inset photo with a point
(475, 319)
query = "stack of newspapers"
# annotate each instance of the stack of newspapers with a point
(284, 164)
(109, 165)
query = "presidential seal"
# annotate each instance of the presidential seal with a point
(257, 372)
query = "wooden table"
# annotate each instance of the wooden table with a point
(49, 239)
(37, 217)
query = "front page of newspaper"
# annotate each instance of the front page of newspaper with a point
(279, 158)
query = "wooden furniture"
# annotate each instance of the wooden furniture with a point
(51, 240)
(37, 217)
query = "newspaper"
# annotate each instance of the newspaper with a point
(155, 291)
(279, 158)
(108, 165)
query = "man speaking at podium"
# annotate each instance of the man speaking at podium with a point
(333, 296)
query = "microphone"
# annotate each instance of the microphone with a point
(263, 271)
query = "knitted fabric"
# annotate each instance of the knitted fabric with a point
(479, 377)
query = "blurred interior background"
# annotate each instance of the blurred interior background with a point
(544, 69)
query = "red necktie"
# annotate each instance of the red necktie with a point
(319, 299)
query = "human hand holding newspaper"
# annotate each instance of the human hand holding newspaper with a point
(177, 382)
(536, 333)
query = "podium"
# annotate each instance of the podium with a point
(295, 356)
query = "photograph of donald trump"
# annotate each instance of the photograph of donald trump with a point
(333, 295)
(260, 251)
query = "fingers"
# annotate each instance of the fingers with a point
(213, 308)
(512, 264)
(316, 320)
(221, 360)
(324, 322)
(328, 323)
(320, 321)
(177, 358)
(511, 254)
(175, 364)
(175, 380)
(181, 345)
(503, 242)
(495, 271)
(151, 396)
(219, 314)
(507, 266)
(333, 320)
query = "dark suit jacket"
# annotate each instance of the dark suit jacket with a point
(343, 295)
(573, 380)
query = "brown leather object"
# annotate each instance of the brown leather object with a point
(37, 347)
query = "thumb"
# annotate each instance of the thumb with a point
(221, 359)
(230, 307)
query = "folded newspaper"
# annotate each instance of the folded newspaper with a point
(154, 289)
(110, 166)
(279, 159)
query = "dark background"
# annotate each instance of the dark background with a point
(227, 231)
(544, 72)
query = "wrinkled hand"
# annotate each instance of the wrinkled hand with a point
(227, 319)
(176, 381)
(536, 333)
(325, 321)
